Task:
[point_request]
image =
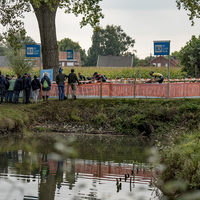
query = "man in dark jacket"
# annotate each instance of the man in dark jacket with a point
(28, 88)
(36, 88)
(72, 79)
(7, 84)
(2, 83)
(81, 78)
(17, 88)
(24, 91)
(60, 80)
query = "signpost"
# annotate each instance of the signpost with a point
(70, 55)
(33, 50)
(163, 48)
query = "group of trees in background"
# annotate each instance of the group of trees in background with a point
(109, 41)
(189, 56)
(18, 62)
(105, 42)
(12, 13)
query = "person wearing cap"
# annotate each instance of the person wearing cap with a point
(81, 77)
(60, 80)
(2, 83)
(72, 79)
(28, 87)
(7, 84)
(155, 77)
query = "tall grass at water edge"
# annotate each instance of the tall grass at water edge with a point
(114, 72)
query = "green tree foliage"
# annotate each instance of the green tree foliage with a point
(11, 13)
(22, 41)
(175, 54)
(2, 51)
(18, 61)
(189, 55)
(25, 41)
(67, 43)
(193, 6)
(109, 41)
(135, 60)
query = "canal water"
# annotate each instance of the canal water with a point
(73, 167)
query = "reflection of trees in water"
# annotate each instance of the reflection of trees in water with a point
(3, 163)
(47, 188)
(70, 174)
(118, 148)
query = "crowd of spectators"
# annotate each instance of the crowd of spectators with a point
(10, 87)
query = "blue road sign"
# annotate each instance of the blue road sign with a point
(161, 47)
(70, 54)
(32, 50)
(49, 72)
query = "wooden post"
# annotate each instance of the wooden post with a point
(134, 86)
(110, 88)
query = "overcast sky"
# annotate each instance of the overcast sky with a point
(143, 20)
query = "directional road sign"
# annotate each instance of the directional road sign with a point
(70, 54)
(161, 47)
(32, 50)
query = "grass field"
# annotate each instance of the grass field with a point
(113, 72)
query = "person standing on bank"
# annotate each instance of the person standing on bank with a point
(24, 90)
(36, 88)
(11, 89)
(60, 80)
(2, 83)
(72, 79)
(28, 88)
(18, 87)
(7, 84)
(46, 86)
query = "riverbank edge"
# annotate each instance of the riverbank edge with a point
(107, 116)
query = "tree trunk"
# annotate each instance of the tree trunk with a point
(49, 46)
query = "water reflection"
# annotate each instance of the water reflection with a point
(103, 168)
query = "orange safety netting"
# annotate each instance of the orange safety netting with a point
(131, 90)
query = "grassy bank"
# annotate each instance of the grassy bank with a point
(120, 116)
(181, 161)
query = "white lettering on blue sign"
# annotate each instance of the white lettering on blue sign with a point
(161, 47)
(29, 50)
(69, 55)
(158, 48)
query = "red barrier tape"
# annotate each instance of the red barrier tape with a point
(127, 90)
